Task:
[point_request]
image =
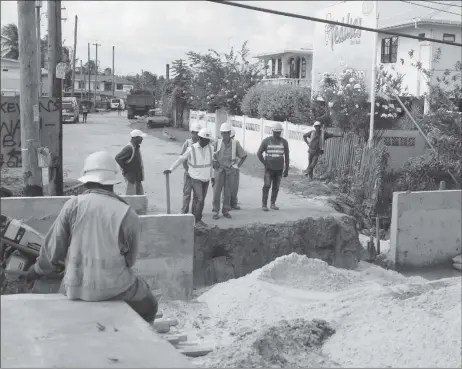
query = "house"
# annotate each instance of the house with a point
(393, 52)
(9, 77)
(289, 66)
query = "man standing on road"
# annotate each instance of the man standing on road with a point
(315, 141)
(235, 174)
(119, 109)
(276, 164)
(187, 187)
(84, 113)
(131, 163)
(200, 168)
(226, 155)
(96, 237)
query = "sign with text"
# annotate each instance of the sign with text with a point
(339, 47)
(10, 129)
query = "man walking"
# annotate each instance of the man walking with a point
(276, 164)
(315, 141)
(187, 187)
(131, 163)
(84, 113)
(200, 168)
(226, 155)
(119, 109)
(96, 236)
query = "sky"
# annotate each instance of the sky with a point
(149, 34)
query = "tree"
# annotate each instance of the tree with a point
(10, 43)
(107, 71)
(90, 65)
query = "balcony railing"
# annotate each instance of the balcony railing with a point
(302, 82)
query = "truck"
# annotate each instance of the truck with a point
(139, 103)
(70, 110)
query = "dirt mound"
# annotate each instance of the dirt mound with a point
(286, 344)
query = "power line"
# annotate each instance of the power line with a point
(314, 19)
(437, 2)
(430, 7)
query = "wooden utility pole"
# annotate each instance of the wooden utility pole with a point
(89, 74)
(29, 99)
(38, 5)
(82, 78)
(113, 74)
(55, 54)
(96, 70)
(75, 53)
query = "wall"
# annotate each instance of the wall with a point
(166, 243)
(9, 77)
(401, 144)
(425, 228)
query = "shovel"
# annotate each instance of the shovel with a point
(167, 185)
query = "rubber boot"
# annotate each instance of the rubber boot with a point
(274, 207)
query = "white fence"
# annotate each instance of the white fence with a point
(402, 144)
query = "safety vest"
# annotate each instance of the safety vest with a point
(133, 153)
(233, 150)
(275, 150)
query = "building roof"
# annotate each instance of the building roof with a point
(101, 78)
(10, 60)
(307, 51)
(422, 22)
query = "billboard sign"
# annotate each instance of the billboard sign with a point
(339, 47)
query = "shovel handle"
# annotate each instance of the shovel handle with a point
(167, 186)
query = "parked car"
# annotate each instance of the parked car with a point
(155, 119)
(115, 103)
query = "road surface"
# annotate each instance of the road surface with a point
(110, 132)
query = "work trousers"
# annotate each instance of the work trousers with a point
(134, 188)
(84, 117)
(140, 298)
(272, 179)
(234, 180)
(187, 189)
(222, 183)
(312, 162)
(199, 193)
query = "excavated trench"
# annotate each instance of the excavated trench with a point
(222, 254)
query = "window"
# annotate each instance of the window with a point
(389, 50)
(303, 68)
(82, 85)
(451, 37)
(421, 35)
(107, 86)
(120, 86)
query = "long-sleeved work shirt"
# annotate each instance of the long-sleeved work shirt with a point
(202, 156)
(277, 152)
(132, 169)
(315, 140)
(224, 156)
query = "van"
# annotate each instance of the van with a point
(114, 104)
(70, 110)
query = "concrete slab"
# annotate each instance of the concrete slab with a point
(49, 331)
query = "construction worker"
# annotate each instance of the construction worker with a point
(187, 187)
(96, 236)
(200, 168)
(131, 163)
(276, 164)
(315, 141)
(235, 174)
(226, 155)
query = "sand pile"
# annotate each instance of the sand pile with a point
(380, 317)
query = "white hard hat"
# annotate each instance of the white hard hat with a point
(233, 132)
(277, 127)
(137, 133)
(316, 124)
(195, 127)
(100, 167)
(225, 127)
(205, 133)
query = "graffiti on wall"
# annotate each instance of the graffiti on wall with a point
(10, 129)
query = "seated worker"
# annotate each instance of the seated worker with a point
(97, 235)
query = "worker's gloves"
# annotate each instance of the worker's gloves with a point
(216, 165)
(168, 171)
(285, 174)
(32, 275)
(213, 182)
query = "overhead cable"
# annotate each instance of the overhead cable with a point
(430, 7)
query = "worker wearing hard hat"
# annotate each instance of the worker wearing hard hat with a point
(200, 168)
(187, 186)
(131, 163)
(228, 157)
(276, 164)
(235, 174)
(96, 235)
(315, 140)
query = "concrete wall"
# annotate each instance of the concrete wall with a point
(166, 252)
(425, 227)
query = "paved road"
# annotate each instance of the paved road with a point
(110, 132)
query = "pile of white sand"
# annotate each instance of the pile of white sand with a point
(380, 318)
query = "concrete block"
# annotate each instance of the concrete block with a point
(50, 331)
(425, 228)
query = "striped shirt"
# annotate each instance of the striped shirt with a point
(275, 150)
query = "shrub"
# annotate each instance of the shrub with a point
(278, 103)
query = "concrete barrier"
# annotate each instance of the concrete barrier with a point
(50, 331)
(166, 253)
(425, 228)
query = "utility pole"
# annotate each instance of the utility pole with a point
(74, 57)
(29, 99)
(89, 74)
(82, 78)
(96, 70)
(373, 78)
(55, 54)
(113, 74)
(38, 5)
(142, 79)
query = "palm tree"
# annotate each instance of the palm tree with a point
(10, 41)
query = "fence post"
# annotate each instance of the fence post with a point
(286, 130)
(243, 131)
(262, 128)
